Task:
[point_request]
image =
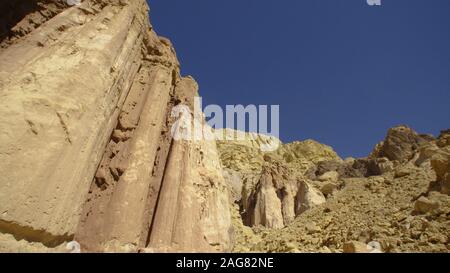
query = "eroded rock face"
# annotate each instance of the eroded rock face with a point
(379, 166)
(440, 163)
(21, 17)
(361, 167)
(274, 189)
(278, 197)
(437, 155)
(85, 144)
(400, 144)
(444, 138)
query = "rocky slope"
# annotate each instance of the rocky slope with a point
(89, 97)
(396, 200)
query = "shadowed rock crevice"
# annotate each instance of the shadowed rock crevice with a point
(31, 235)
(20, 17)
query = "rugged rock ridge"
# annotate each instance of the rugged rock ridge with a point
(395, 200)
(85, 144)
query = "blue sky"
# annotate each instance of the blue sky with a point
(342, 72)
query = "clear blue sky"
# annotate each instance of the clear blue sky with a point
(342, 72)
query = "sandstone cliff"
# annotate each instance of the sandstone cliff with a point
(86, 151)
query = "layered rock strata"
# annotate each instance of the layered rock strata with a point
(85, 144)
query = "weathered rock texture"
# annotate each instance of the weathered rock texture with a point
(273, 187)
(396, 200)
(85, 146)
(21, 17)
(440, 162)
(400, 144)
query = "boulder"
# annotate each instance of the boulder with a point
(424, 205)
(312, 228)
(404, 170)
(332, 176)
(380, 166)
(356, 247)
(308, 197)
(327, 166)
(400, 144)
(440, 163)
(329, 188)
(345, 169)
(426, 151)
(444, 138)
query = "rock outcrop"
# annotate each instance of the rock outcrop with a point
(273, 186)
(278, 197)
(440, 161)
(396, 200)
(400, 144)
(85, 144)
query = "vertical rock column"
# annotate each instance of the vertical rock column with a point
(62, 87)
(192, 213)
(85, 145)
(114, 214)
